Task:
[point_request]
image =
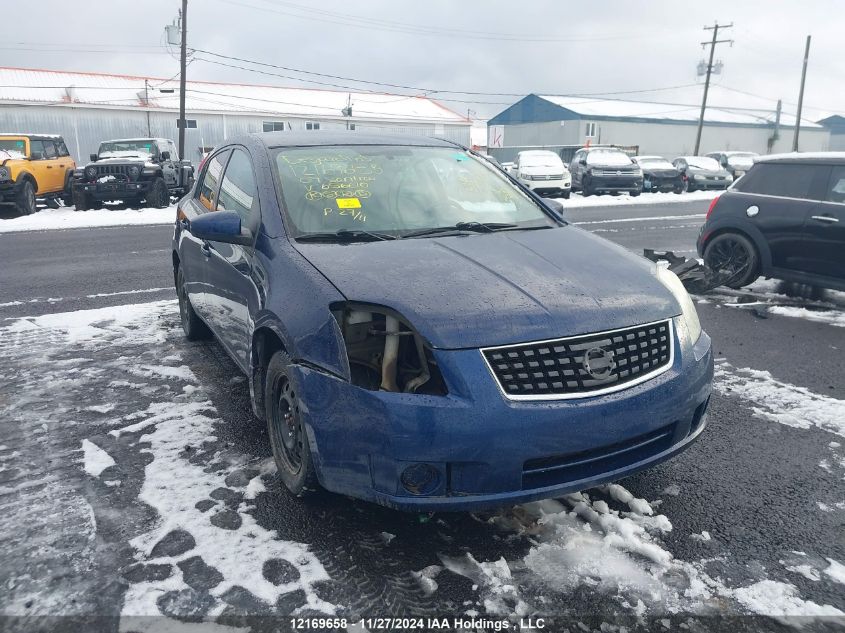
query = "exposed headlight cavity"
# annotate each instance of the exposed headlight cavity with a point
(90, 171)
(671, 281)
(4, 173)
(134, 171)
(385, 353)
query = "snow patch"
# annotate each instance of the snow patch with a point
(69, 218)
(95, 460)
(780, 599)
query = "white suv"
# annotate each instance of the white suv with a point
(543, 172)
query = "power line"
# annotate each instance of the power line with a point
(349, 20)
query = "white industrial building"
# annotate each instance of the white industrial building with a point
(87, 108)
(665, 129)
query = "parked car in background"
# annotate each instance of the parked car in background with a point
(490, 159)
(133, 171)
(34, 166)
(659, 174)
(701, 172)
(605, 170)
(437, 339)
(735, 163)
(784, 219)
(543, 172)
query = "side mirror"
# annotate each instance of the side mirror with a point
(165, 156)
(93, 158)
(583, 161)
(220, 226)
(555, 207)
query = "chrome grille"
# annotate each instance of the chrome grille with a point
(560, 369)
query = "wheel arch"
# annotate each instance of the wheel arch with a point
(751, 233)
(267, 339)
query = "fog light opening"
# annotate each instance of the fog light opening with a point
(420, 479)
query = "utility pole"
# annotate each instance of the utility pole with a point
(147, 105)
(183, 66)
(715, 28)
(801, 96)
(776, 134)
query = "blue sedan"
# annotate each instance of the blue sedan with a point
(421, 331)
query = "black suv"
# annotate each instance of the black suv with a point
(132, 171)
(784, 219)
(605, 170)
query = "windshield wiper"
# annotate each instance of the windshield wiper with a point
(345, 235)
(477, 227)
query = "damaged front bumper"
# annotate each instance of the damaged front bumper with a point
(481, 450)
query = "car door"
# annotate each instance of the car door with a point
(55, 176)
(195, 253)
(38, 166)
(169, 167)
(232, 295)
(64, 161)
(780, 197)
(825, 229)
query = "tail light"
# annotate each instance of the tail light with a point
(712, 206)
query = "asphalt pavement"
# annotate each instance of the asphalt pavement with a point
(746, 520)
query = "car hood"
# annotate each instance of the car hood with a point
(501, 288)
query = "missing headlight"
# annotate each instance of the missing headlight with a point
(385, 353)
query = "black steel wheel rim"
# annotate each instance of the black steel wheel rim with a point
(30, 198)
(729, 256)
(287, 425)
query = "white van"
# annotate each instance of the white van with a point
(543, 172)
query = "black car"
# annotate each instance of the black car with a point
(659, 174)
(784, 219)
(133, 171)
(605, 170)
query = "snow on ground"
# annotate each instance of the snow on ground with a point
(831, 317)
(117, 377)
(70, 218)
(583, 542)
(578, 201)
(781, 402)
(95, 459)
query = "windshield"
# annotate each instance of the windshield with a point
(12, 148)
(394, 189)
(540, 160)
(609, 157)
(120, 149)
(655, 163)
(700, 162)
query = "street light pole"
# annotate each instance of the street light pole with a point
(183, 66)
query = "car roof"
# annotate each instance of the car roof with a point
(318, 138)
(837, 158)
(31, 137)
(139, 138)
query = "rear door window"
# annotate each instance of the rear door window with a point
(50, 149)
(238, 191)
(207, 192)
(781, 180)
(62, 148)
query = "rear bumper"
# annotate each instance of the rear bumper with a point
(113, 190)
(489, 451)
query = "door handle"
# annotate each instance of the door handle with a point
(824, 218)
(206, 249)
(49, 167)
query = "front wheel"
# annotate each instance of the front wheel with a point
(193, 326)
(81, 201)
(634, 194)
(733, 258)
(291, 449)
(565, 195)
(159, 196)
(25, 199)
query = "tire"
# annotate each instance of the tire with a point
(194, 327)
(25, 199)
(587, 190)
(634, 194)
(159, 196)
(291, 449)
(81, 201)
(565, 195)
(734, 257)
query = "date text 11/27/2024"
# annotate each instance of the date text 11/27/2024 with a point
(460, 623)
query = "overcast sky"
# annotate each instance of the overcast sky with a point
(541, 46)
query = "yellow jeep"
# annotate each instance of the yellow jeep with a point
(34, 166)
